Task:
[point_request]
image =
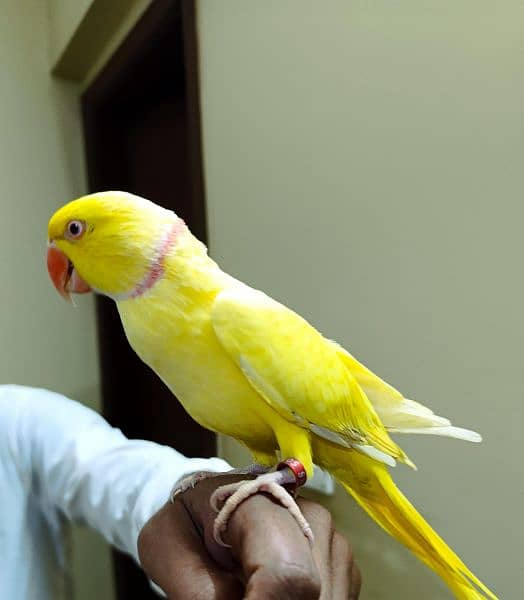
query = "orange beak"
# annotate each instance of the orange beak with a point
(63, 274)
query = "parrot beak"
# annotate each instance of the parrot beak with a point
(63, 274)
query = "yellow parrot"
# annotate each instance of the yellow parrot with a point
(244, 365)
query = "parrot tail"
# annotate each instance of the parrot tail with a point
(371, 485)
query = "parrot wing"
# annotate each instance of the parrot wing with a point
(399, 414)
(298, 371)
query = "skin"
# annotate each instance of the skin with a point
(269, 557)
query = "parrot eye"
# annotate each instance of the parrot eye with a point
(75, 230)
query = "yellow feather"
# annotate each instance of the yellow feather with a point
(244, 365)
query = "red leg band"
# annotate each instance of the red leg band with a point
(297, 468)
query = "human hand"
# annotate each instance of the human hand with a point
(269, 556)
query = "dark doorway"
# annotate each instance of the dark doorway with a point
(142, 134)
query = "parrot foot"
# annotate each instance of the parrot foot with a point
(226, 499)
(189, 482)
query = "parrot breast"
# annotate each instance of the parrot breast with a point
(170, 329)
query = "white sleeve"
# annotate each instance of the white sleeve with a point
(71, 458)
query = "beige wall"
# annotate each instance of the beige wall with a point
(44, 342)
(364, 164)
(64, 18)
(83, 34)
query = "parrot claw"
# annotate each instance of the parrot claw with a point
(222, 493)
(189, 482)
(230, 496)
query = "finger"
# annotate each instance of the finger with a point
(321, 524)
(341, 565)
(182, 566)
(339, 574)
(198, 503)
(356, 583)
(274, 554)
(345, 575)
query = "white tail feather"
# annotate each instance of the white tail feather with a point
(449, 431)
(409, 414)
(336, 438)
(372, 452)
(331, 436)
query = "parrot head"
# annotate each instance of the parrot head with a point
(109, 242)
